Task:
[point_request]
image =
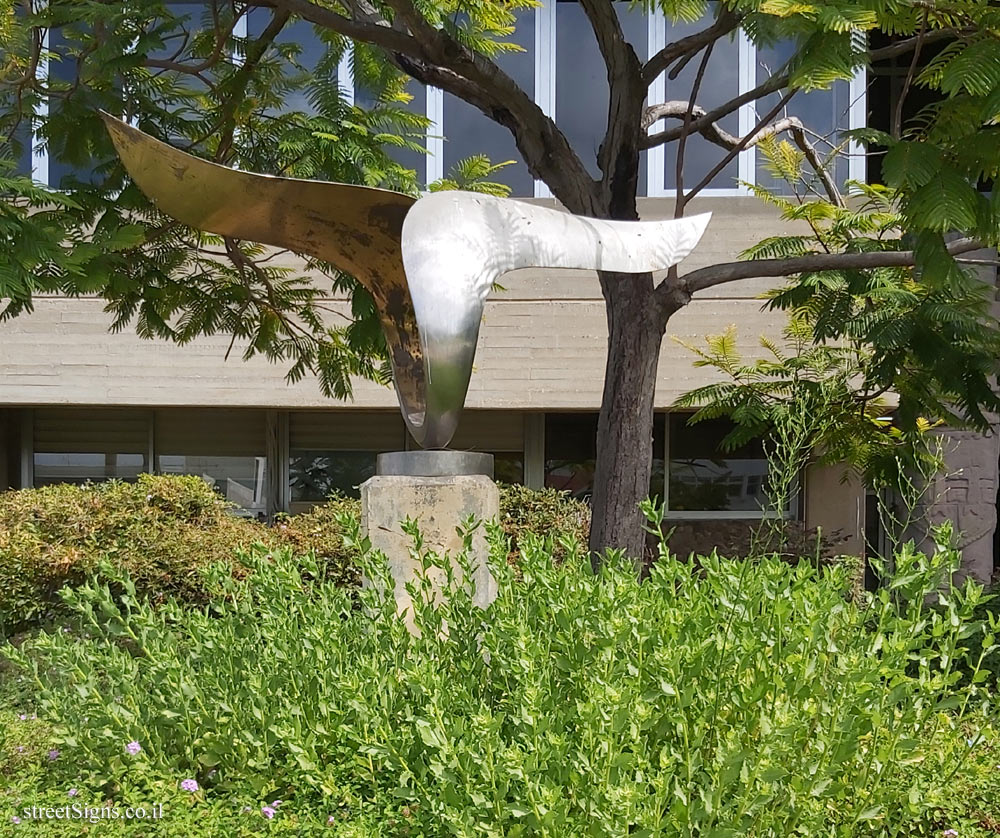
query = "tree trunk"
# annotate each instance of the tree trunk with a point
(625, 428)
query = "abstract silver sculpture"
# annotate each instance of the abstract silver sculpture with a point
(429, 263)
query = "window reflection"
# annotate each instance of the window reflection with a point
(720, 85)
(366, 98)
(311, 51)
(315, 475)
(240, 480)
(704, 477)
(468, 131)
(824, 113)
(571, 454)
(89, 467)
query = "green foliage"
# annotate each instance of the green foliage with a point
(812, 401)
(321, 531)
(162, 530)
(561, 521)
(241, 101)
(928, 334)
(727, 698)
(473, 175)
(165, 530)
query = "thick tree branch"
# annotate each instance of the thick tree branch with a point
(434, 57)
(684, 48)
(384, 37)
(618, 156)
(713, 275)
(607, 30)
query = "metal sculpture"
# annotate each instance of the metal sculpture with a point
(429, 263)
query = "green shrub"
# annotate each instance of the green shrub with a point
(164, 530)
(321, 531)
(719, 699)
(161, 530)
(548, 513)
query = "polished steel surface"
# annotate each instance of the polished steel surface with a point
(433, 463)
(456, 245)
(429, 263)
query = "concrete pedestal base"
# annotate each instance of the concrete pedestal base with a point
(440, 505)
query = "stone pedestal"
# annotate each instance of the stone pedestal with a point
(440, 504)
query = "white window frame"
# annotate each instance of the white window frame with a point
(545, 98)
(656, 157)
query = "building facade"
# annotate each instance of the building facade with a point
(79, 403)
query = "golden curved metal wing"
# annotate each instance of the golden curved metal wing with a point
(355, 228)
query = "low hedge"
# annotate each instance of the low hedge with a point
(163, 529)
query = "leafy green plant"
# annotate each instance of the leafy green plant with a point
(717, 698)
(166, 529)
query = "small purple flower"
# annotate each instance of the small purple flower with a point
(267, 812)
(133, 747)
(72, 792)
(330, 820)
(23, 717)
(15, 819)
(53, 754)
(275, 804)
(189, 785)
(950, 833)
(20, 749)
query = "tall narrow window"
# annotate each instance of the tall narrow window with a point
(70, 158)
(468, 131)
(366, 98)
(721, 84)
(824, 113)
(303, 61)
(582, 96)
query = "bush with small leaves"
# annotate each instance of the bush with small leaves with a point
(721, 698)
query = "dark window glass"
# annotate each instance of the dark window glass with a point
(582, 78)
(84, 468)
(311, 51)
(720, 85)
(468, 131)
(508, 467)
(19, 150)
(571, 453)
(705, 478)
(824, 113)
(240, 480)
(315, 475)
(69, 161)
